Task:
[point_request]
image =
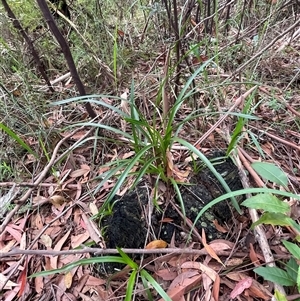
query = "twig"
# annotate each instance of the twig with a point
(247, 165)
(27, 184)
(99, 251)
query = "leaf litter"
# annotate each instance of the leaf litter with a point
(62, 206)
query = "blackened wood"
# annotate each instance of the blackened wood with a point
(67, 53)
(17, 25)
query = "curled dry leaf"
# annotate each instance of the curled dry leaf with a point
(46, 240)
(219, 227)
(57, 200)
(173, 171)
(156, 244)
(210, 250)
(83, 171)
(93, 208)
(253, 256)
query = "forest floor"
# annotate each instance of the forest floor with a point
(54, 165)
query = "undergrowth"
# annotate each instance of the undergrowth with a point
(159, 76)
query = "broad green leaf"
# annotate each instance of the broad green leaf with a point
(292, 248)
(275, 274)
(292, 269)
(267, 202)
(279, 296)
(270, 172)
(250, 191)
(275, 219)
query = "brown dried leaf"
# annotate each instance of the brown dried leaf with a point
(38, 221)
(208, 271)
(166, 274)
(253, 256)
(94, 281)
(170, 165)
(183, 283)
(77, 240)
(57, 201)
(14, 233)
(83, 171)
(46, 240)
(209, 249)
(257, 290)
(234, 262)
(221, 245)
(128, 155)
(216, 288)
(156, 244)
(68, 278)
(240, 287)
(23, 278)
(53, 260)
(219, 227)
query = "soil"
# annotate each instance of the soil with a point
(126, 227)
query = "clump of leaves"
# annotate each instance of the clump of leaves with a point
(275, 212)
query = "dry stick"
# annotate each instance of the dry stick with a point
(253, 173)
(265, 48)
(259, 232)
(27, 184)
(67, 53)
(236, 104)
(99, 251)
